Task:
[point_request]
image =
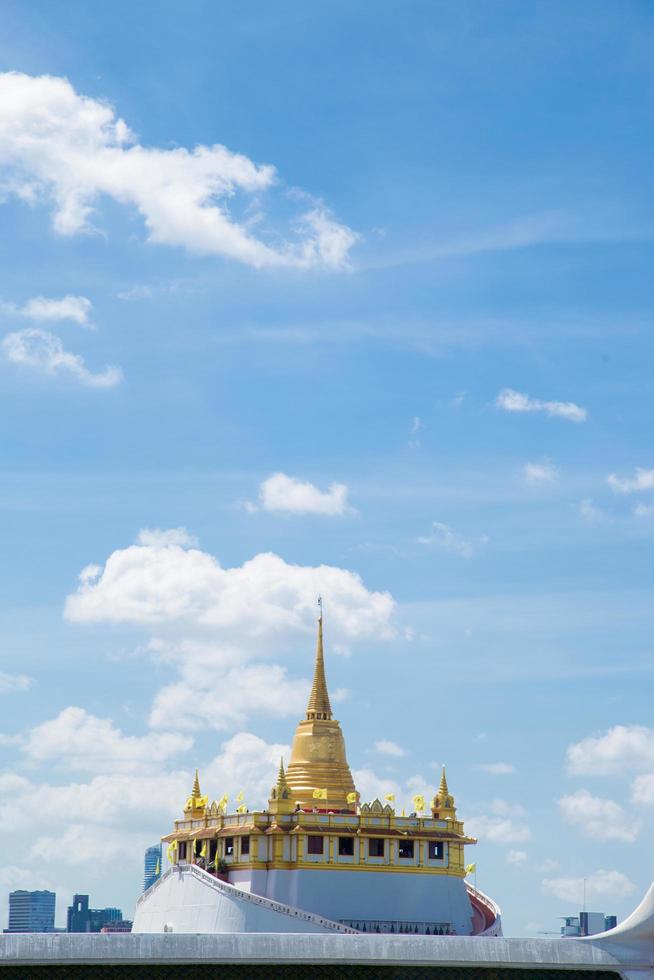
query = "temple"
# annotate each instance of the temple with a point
(317, 859)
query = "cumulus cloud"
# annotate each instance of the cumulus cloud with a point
(69, 151)
(44, 351)
(286, 494)
(386, 747)
(539, 473)
(496, 768)
(599, 885)
(444, 537)
(165, 583)
(504, 823)
(82, 741)
(74, 308)
(245, 762)
(210, 623)
(515, 401)
(622, 748)
(643, 480)
(14, 682)
(597, 818)
(224, 698)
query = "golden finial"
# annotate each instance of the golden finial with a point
(195, 792)
(319, 706)
(281, 776)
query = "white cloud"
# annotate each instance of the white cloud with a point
(642, 789)
(211, 622)
(597, 818)
(644, 510)
(589, 512)
(643, 480)
(225, 698)
(515, 401)
(599, 885)
(443, 536)
(45, 352)
(496, 768)
(542, 472)
(286, 494)
(156, 538)
(14, 682)
(516, 857)
(155, 584)
(505, 823)
(79, 740)
(70, 150)
(75, 308)
(386, 747)
(621, 749)
(245, 763)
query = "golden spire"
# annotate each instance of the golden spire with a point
(319, 706)
(318, 759)
(280, 795)
(443, 791)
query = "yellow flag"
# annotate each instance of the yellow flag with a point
(172, 851)
(242, 808)
(351, 797)
(320, 794)
(419, 803)
(390, 797)
(240, 797)
(203, 849)
(223, 801)
(470, 869)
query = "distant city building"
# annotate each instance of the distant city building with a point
(31, 911)
(122, 925)
(81, 918)
(151, 866)
(587, 924)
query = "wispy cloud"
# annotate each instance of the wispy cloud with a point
(14, 682)
(643, 480)
(442, 536)
(71, 150)
(496, 768)
(414, 432)
(515, 401)
(598, 885)
(589, 512)
(40, 308)
(43, 351)
(386, 747)
(541, 472)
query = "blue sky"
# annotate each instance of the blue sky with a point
(412, 362)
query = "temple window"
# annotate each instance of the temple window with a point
(229, 846)
(345, 846)
(213, 847)
(245, 846)
(376, 847)
(406, 849)
(435, 850)
(314, 844)
(182, 851)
